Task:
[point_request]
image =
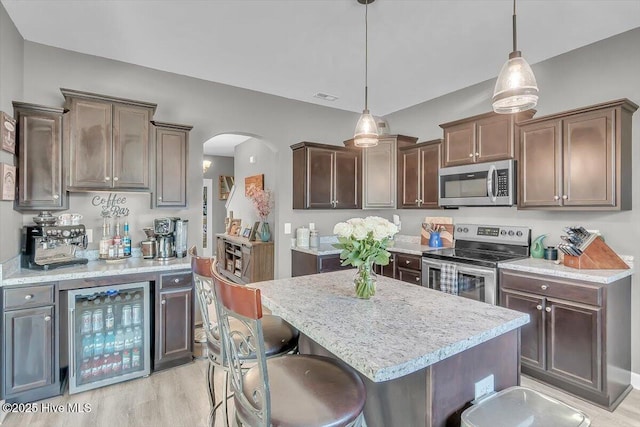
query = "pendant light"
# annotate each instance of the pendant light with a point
(516, 88)
(366, 133)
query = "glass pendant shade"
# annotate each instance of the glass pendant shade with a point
(366, 133)
(516, 88)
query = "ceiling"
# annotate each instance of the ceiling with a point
(418, 49)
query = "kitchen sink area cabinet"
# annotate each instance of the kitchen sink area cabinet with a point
(40, 176)
(379, 170)
(109, 142)
(171, 148)
(408, 268)
(418, 167)
(578, 159)
(30, 363)
(174, 312)
(482, 138)
(326, 177)
(578, 338)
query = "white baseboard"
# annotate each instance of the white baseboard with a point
(635, 380)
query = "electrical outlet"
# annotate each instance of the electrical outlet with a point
(287, 228)
(484, 386)
(89, 235)
(312, 226)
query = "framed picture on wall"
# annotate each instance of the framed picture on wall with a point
(7, 133)
(8, 177)
(256, 181)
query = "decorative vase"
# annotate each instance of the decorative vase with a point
(434, 240)
(365, 281)
(265, 232)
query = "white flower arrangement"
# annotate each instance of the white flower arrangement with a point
(364, 240)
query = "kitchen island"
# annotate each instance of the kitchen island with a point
(419, 351)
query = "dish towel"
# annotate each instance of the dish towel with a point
(449, 278)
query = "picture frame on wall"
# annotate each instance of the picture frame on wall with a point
(256, 181)
(7, 133)
(8, 177)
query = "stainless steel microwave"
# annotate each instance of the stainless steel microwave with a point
(478, 184)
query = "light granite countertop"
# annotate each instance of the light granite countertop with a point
(401, 243)
(550, 268)
(95, 268)
(402, 329)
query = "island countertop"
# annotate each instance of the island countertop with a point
(402, 329)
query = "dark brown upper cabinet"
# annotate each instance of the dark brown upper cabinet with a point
(482, 138)
(326, 176)
(578, 159)
(379, 170)
(418, 167)
(40, 177)
(109, 142)
(171, 145)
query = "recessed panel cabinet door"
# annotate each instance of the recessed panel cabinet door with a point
(320, 163)
(171, 165)
(430, 164)
(29, 349)
(131, 147)
(347, 180)
(175, 324)
(91, 139)
(532, 335)
(459, 144)
(379, 169)
(540, 176)
(574, 349)
(495, 138)
(589, 159)
(409, 177)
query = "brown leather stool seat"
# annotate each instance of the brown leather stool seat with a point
(307, 391)
(279, 336)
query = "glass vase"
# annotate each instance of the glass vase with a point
(365, 281)
(265, 232)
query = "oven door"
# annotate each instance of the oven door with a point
(478, 283)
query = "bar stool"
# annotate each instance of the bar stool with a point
(281, 338)
(292, 390)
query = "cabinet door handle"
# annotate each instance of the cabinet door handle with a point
(107, 178)
(544, 287)
(548, 309)
(565, 197)
(556, 197)
(416, 200)
(470, 154)
(115, 178)
(159, 198)
(47, 318)
(28, 297)
(478, 154)
(56, 197)
(163, 302)
(539, 307)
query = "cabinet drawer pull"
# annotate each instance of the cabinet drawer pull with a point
(539, 307)
(176, 280)
(408, 262)
(163, 302)
(548, 309)
(47, 318)
(418, 279)
(544, 287)
(28, 297)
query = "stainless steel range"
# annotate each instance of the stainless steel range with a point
(470, 269)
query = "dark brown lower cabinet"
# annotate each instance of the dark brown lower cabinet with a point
(579, 334)
(388, 270)
(304, 263)
(405, 267)
(174, 320)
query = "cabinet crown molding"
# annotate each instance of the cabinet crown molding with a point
(71, 93)
(624, 103)
(525, 115)
(168, 125)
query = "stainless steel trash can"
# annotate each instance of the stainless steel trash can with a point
(521, 406)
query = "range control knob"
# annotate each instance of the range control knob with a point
(503, 232)
(466, 230)
(459, 229)
(519, 233)
(511, 233)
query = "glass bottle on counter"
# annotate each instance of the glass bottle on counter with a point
(117, 241)
(105, 241)
(126, 240)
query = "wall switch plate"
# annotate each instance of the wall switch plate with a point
(287, 228)
(89, 235)
(484, 386)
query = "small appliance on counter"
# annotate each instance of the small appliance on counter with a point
(51, 246)
(149, 247)
(171, 237)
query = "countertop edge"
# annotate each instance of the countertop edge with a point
(566, 272)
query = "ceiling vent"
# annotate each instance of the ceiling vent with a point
(325, 96)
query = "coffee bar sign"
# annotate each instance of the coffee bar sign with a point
(112, 205)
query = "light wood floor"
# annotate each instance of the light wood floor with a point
(177, 398)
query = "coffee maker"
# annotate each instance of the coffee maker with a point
(164, 229)
(50, 246)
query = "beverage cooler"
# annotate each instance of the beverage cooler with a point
(109, 335)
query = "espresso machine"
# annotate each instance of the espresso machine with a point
(171, 237)
(51, 246)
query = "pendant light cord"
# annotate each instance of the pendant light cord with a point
(515, 41)
(366, 54)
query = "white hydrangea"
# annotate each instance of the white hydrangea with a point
(360, 231)
(343, 229)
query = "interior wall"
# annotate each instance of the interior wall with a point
(220, 165)
(11, 72)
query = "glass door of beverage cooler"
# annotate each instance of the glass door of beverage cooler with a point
(109, 335)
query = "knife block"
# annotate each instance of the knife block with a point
(598, 255)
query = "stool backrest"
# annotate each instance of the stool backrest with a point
(201, 269)
(243, 304)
